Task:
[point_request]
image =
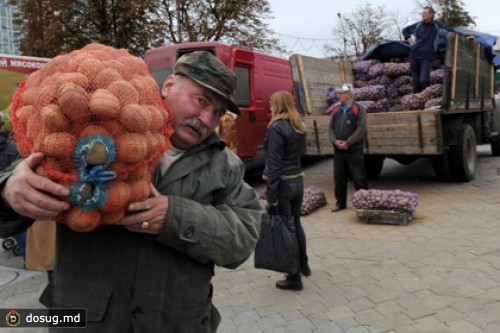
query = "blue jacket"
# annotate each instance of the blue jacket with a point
(426, 37)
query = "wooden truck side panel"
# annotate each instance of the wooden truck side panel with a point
(468, 90)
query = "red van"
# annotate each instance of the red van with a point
(258, 77)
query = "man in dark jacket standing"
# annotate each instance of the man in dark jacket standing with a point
(423, 46)
(152, 273)
(347, 132)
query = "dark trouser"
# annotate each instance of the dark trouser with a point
(290, 194)
(420, 73)
(348, 164)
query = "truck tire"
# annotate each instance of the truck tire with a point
(495, 147)
(373, 166)
(463, 157)
(441, 166)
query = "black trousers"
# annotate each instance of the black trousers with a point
(350, 164)
(420, 73)
(290, 194)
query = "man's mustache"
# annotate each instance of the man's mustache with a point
(197, 126)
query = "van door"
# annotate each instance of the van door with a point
(243, 66)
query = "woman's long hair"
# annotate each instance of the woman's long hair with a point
(282, 107)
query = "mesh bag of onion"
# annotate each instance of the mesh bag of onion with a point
(98, 117)
(386, 199)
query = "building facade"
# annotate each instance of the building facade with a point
(8, 31)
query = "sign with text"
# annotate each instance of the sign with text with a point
(43, 318)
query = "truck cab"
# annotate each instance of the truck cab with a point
(258, 76)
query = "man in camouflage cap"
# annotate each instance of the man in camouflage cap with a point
(153, 272)
(205, 69)
(198, 93)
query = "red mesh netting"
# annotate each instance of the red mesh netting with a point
(98, 116)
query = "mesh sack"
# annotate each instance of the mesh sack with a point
(413, 101)
(370, 106)
(401, 80)
(97, 115)
(433, 91)
(363, 66)
(332, 96)
(397, 69)
(382, 105)
(313, 198)
(435, 102)
(386, 199)
(361, 84)
(405, 89)
(376, 70)
(369, 93)
(437, 76)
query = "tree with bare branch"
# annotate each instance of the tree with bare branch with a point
(358, 30)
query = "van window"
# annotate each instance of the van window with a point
(160, 75)
(242, 86)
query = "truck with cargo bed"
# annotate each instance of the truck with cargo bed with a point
(447, 134)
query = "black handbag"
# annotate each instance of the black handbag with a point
(277, 248)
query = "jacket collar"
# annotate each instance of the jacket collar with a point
(184, 165)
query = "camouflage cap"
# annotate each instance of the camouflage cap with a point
(205, 69)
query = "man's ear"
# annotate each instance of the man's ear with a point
(167, 86)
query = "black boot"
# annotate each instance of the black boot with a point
(305, 269)
(292, 282)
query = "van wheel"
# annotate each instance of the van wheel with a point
(495, 147)
(463, 157)
(17, 250)
(8, 243)
(441, 166)
(373, 166)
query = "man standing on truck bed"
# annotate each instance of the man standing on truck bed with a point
(347, 132)
(423, 46)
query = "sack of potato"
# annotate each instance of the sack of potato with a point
(97, 115)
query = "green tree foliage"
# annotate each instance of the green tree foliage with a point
(59, 26)
(451, 12)
(240, 22)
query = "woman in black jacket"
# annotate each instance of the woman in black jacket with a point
(283, 173)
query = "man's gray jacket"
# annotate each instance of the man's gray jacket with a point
(133, 282)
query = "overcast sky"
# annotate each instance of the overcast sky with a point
(314, 19)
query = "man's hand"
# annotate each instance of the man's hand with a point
(341, 145)
(149, 215)
(410, 41)
(32, 195)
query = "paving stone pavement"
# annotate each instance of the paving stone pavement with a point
(440, 273)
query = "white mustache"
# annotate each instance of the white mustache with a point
(197, 126)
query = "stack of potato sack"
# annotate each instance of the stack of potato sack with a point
(97, 115)
(386, 86)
